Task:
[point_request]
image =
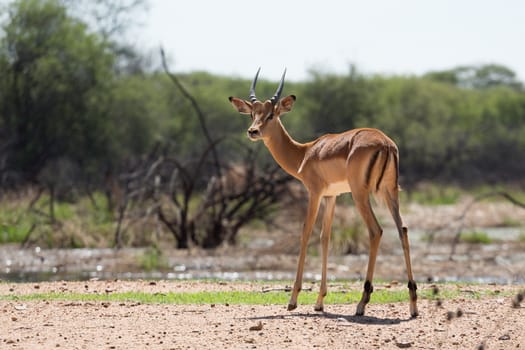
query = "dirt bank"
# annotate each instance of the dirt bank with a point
(128, 325)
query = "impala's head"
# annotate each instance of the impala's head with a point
(265, 115)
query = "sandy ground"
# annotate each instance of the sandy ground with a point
(489, 322)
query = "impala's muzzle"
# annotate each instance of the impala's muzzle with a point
(253, 133)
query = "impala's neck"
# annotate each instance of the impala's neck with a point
(286, 151)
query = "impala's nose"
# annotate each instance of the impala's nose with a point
(253, 133)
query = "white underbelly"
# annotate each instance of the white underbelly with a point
(337, 188)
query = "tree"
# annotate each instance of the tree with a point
(112, 20)
(55, 79)
(478, 77)
(336, 103)
(109, 18)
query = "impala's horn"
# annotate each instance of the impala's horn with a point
(253, 98)
(277, 95)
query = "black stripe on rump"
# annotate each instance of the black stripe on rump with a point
(373, 161)
(383, 170)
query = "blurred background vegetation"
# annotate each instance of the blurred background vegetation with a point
(80, 108)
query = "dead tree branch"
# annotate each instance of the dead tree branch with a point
(479, 198)
(196, 108)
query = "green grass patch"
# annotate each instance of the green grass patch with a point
(475, 237)
(84, 222)
(13, 232)
(511, 222)
(347, 239)
(432, 194)
(152, 259)
(516, 191)
(381, 296)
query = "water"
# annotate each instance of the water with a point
(500, 262)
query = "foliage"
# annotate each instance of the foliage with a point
(110, 18)
(478, 77)
(13, 231)
(26, 220)
(349, 239)
(153, 260)
(54, 78)
(432, 194)
(457, 125)
(338, 103)
(475, 237)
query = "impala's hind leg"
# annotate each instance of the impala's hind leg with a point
(362, 202)
(392, 201)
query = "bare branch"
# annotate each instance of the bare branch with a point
(196, 108)
(461, 217)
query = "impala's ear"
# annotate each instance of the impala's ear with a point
(242, 106)
(285, 104)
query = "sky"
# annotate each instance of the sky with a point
(412, 37)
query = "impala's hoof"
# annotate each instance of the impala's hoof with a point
(292, 307)
(319, 308)
(360, 311)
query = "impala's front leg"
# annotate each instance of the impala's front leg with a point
(311, 214)
(325, 241)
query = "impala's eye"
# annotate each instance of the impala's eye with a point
(270, 116)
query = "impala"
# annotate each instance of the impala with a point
(361, 161)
